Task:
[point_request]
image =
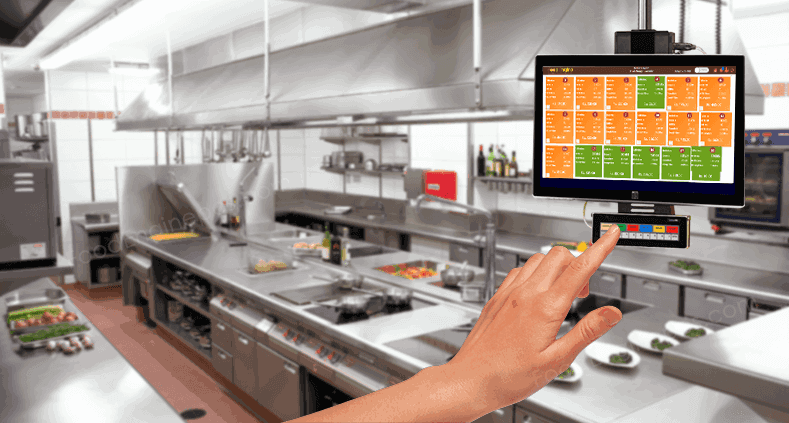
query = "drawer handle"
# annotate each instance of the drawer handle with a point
(653, 286)
(291, 369)
(609, 278)
(498, 257)
(714, 298)
(222, 356)
(243, 340)
(499, 412)
(462, 250)
(220, 326)
(526, 419)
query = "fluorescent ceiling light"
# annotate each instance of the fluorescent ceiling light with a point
(133, 69)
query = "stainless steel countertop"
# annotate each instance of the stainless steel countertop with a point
(96, 385)
(604, 394)
(95, 227)
(747, 360)
(641, 262)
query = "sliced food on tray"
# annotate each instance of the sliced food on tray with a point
(263, 266)
(39, 316)
(409, 272)
(60, 329)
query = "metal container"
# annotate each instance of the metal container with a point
(104, 274)
(327, 160)
(21, 126)
(473, 291)
(36, 124)
(353, 157)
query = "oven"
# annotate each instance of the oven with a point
(320, 395)
(766, 203)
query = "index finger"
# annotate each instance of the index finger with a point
(581, 269)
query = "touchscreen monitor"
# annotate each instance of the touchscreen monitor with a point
(646, 128)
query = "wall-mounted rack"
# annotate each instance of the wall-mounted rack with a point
(505, 185)
(362, 171)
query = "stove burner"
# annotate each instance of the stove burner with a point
(374, 309)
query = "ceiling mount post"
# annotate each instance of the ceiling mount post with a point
(477, 24)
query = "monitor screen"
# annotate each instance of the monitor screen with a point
(646, 128)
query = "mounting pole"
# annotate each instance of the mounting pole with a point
(478, 52)
(267, 70)
(644, 14)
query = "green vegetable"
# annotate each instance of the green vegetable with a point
(686, 265)
(621, 358)
(34, 313)
(567, 373)
(53, 331)
(695, 333)
(656, 344)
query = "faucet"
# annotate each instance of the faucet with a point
(490, 240)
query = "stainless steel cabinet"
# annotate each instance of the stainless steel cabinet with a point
(223, 362)
(221, 334)
(244, 363)
(279, 388)
(502, 415)
(605, 283)
(460, 253)
(663, 295)
(524, 416)
(715, 307)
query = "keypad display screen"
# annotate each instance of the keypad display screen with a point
(645, 230)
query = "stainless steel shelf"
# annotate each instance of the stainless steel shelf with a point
(184, 336)
(189, 303)
(376, 139)
(363, 171)
(501, 179)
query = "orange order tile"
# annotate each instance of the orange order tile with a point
(559, 127)
(716, 129)
(682, 93)
(651, 128)
(559, 93)
(620, 93)
(683, 129)
(589, 127)
(620, 128)
(559, 161)
(715, 94)
(589, 92)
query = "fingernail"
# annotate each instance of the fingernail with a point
(610, 316)
(612, 230)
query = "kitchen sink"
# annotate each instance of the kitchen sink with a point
(369, 251)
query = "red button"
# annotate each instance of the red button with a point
(672, 229)
(319, 350)
(287, 332)
(331, 355)
(632, 228)
(296, 338)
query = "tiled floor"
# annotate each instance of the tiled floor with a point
(180, 381)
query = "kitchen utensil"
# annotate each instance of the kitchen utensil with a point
(577, 375)
(643, 340)
(267, 146)
(601, 352)
(453, 275)
(398, 296)
(678, 329)
(350, 304)
(370, 164)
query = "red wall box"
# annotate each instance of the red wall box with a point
(442, 184)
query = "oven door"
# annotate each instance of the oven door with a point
(321, 395)
(765, 204)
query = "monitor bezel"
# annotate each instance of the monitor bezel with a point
(649, 195)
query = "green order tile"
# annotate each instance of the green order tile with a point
(616, 163)
(651, 94)
(706, 165)
(646, 163)
(589, 161)
(676, 165)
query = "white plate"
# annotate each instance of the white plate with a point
(643, 339)
(601, 352)
(575, 377)
(678, 329)
(547, 249)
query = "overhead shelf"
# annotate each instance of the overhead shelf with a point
(501, 184)
(362, 171)
(376, 140)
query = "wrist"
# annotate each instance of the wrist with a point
(465, 392)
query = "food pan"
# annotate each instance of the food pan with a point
(43, 342)
(21, 300)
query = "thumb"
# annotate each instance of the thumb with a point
(589, 329)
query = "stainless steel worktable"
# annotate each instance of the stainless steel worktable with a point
(646, 263)
(96, 385)
(748, 360)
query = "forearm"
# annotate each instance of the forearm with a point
(434, 394)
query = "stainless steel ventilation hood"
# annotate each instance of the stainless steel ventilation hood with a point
(382, 6)
(416, 70)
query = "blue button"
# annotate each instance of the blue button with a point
(645, 228)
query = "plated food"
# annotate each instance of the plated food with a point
(685, 330)
(263, 266)
(304, 249)
(612, 355)
(572, 374)
(651, 341)
(409, 272)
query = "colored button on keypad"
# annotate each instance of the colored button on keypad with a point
(645, 228)
(672, 229)
(632, 228)
(658, 229)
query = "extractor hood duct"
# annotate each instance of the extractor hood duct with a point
(417, 66)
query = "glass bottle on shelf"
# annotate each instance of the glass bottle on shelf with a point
(326, 244)
(235, 215)
(505, 163)
(513, 167)
(222, 213)
(491, 170)
(481, 171)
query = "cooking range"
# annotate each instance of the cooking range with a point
(376, 307)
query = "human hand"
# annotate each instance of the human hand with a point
(512, 352)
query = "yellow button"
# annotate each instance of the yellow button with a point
(604, 226)
(658, 229)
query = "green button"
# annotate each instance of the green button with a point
(622, 227)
